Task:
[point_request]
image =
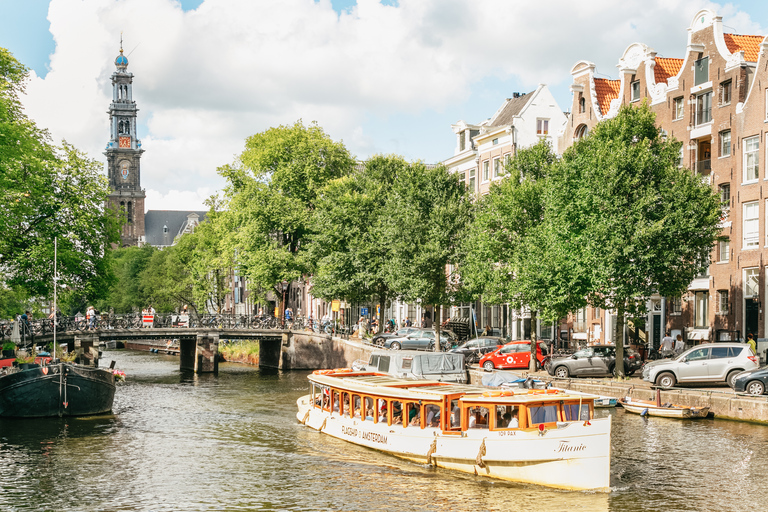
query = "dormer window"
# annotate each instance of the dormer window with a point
(495, 141)
(165, 229)
(635, 90)
(701, 71)
(462, 140)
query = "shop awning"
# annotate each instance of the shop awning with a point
(697, 334)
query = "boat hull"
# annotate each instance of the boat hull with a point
(62, 389)
(574, 457)
(650, 409)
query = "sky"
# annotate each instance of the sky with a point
(383, 76)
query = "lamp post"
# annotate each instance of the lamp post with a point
(282, 314)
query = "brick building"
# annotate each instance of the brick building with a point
(713, 98)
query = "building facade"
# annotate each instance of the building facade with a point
(713, 98)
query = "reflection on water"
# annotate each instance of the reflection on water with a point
(181, 442)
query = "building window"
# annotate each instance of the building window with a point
(680, 158)
(704, 108)
(542, 127)
(701, 71)
(462, 140)
(725, 143)
(582, 105)
(679, 108)
(751, 158)
(722, 301)
(472, 179)
(701, 313)
(725, 93)
(751, 282)
(495, 141)
(635, 90)
(751, 225)
(725, 195)
(581, 131)
(462, 177)
(724, 250)
(496, 167)
(677, 304)
(486, 166)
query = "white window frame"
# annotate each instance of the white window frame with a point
(634, 88)
(486, 170)
(722, 302)
(679, 106)
(751, 160)
(723, 154)
(724, 251)
(751, 282)
(751, 225)
(497, 167)
(542, 127)
(700, 308)
(723, 88)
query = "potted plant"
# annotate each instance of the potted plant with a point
(9, 349)
(25, 362)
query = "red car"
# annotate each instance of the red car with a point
(516, 354)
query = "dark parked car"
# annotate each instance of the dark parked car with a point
(422, 339)
(476, 348)
(594, 361)
(753, 382)
(379, 339)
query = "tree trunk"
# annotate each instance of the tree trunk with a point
(618, 340)
(437, 320)
(382, 303)
(534, 343)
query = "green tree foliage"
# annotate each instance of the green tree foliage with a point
(271, 195)
(623, 221)
(349, 223)
(497, 242)
(48, 192)
(127, 294)
(427, 211)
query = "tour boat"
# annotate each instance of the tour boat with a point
(539, 436)
(649, 408)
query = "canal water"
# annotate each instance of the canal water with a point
(179, 442)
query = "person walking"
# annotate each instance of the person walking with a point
(679, 344)
(751, 343)
(667, 345)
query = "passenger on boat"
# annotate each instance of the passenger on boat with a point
(433, 415)
(456, 417)
(514, 422)
(416, 420)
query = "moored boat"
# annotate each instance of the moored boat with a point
(649, 408)
(59, 389)
(605, 401)
(544, 437)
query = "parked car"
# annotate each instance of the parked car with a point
(423, 339)
(516, 354)
(712, 363)
(594, 361)
(476, 348)
(379, 339)
(753, 382)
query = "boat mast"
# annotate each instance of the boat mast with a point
(55, 286)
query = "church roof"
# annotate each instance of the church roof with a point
(162, 226)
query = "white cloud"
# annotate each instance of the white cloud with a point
(208, 78)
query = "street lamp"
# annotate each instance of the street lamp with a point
(282, 316)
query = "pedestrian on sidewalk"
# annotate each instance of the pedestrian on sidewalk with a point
(751, 343)
(667, 345)
(679, 344)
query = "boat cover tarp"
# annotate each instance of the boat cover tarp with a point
(437, 363)
(496, 379)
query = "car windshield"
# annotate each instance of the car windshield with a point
(585, 352)
(697, 354)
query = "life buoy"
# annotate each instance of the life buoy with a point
(322, 372)
(497, 393)
(342, 370)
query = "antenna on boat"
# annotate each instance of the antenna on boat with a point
(55, 286)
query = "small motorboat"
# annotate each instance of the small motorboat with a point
(605, 401)
(665, 410)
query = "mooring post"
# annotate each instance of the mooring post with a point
(86, 347)
(200, 355)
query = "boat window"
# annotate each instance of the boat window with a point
(345, 404)
(383, 364)
(326, 402)
(407, 363)
(356, 405)
(397, 412)
(505, 414)
(370, 413)
(336, 401)
(455, 415)
(414, 414)
(383, 411)
(543, 414)
(478, 417)
(433, 415)
(572, 412)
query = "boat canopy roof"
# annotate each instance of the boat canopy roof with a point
(381, 384)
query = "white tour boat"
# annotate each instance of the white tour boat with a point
(545, 437)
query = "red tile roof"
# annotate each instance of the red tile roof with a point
(606, 90)
(666, 68)
(750, 45)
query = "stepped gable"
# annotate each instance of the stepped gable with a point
(750, 45)
(606, 91)
(666, 68)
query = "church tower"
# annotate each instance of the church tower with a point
(123, 154)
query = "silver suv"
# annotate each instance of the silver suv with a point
(712, 362)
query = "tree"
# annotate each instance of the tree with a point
(271, 195)
(349, 223)
(48, 193)
(127, 293)
(427, 211)
(623, 221)
(497, 245)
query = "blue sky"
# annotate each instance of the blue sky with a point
(386, 77)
